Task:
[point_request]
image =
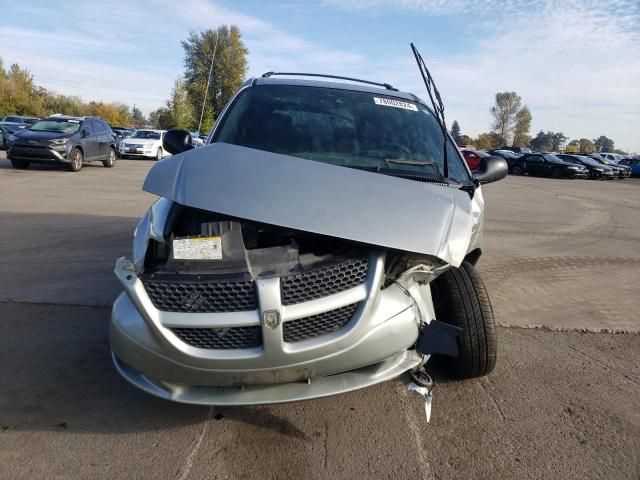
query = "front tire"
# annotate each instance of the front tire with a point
(556, 173)
(159, 154)
(111, 159)
(20, 164)
(76, 160)
(461, 299)
(516, 170)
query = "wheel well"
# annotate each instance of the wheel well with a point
(473, 256)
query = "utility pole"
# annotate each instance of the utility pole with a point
(204, 102)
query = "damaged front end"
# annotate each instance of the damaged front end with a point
(254, 289)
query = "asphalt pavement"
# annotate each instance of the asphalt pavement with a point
(562, 266)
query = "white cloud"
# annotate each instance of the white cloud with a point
(574, 62)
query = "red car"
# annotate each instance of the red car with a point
(473, 157)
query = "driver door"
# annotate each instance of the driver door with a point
(89, 140)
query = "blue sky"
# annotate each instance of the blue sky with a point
(575, 63)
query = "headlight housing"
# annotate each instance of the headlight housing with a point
(60, 141)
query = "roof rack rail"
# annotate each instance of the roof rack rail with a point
(298, 74)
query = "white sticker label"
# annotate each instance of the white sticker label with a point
(207, 248)
(73, 121)
(387, 102)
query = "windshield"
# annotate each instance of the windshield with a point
(340, 127)
(59, 125)
(553, 158)
(590, 161)
(146, 134)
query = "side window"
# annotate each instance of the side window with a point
(88, 126)
(533, 158)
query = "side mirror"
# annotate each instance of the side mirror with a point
(177, 141)
(491, 169)
(84, 133)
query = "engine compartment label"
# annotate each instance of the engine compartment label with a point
(387, 102)
(199, 248)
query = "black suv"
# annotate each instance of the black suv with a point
(71, 141)
(547, 165)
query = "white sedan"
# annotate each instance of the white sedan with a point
(143, 144)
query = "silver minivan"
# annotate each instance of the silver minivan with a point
(322, 240)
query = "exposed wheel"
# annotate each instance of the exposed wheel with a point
(556, 173)
(111, 159)
(20, 164)
(159, 154)
(460, 299)
(516, 170)
(76, 159)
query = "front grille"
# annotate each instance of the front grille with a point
(220, 338)
(183, 295)
(323, 281)
(318, 325)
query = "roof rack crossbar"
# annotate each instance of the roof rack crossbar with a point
(298, 74)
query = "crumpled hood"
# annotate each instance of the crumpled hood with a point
(319, 198)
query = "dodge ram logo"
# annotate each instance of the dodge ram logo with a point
(271, 319)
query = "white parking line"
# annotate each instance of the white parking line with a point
(188, 464)
(416, 425)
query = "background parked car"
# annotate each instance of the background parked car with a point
(120, 133)
(596, 170)
(622, 170)
(20, 119)
(517, 149)
(547, 165)
(633, 163)
(614, 157)
(143, 144)
(473, 157)
(7, 129)
(71, 141)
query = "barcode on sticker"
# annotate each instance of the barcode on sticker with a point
(202, 248)
(387, 102)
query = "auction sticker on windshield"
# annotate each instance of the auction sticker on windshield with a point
(387, 102)
(200, 248)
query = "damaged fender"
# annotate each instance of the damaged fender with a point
(319, 198)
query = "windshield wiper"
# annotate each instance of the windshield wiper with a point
(421, 163)
(438, 108)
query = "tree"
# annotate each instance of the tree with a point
(455, 132)
(137, 117)
(486, 141)
(180, 109)
(504, 113)
(549, 141)
(604, 144)
(465, 140)
(521, 130)
(161, 118)
(19, 94)
(572, 147)
(587, 146)
(229, 69)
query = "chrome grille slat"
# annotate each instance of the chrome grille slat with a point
(183, 295)
(323, 281)
(318, 325)
(220, 338)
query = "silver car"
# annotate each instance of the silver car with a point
(321, 241)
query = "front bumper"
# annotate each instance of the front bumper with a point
(576, 174)
(375, 346)
(39, 154)
(136, 152)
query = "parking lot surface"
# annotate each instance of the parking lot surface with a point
(563, 402)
